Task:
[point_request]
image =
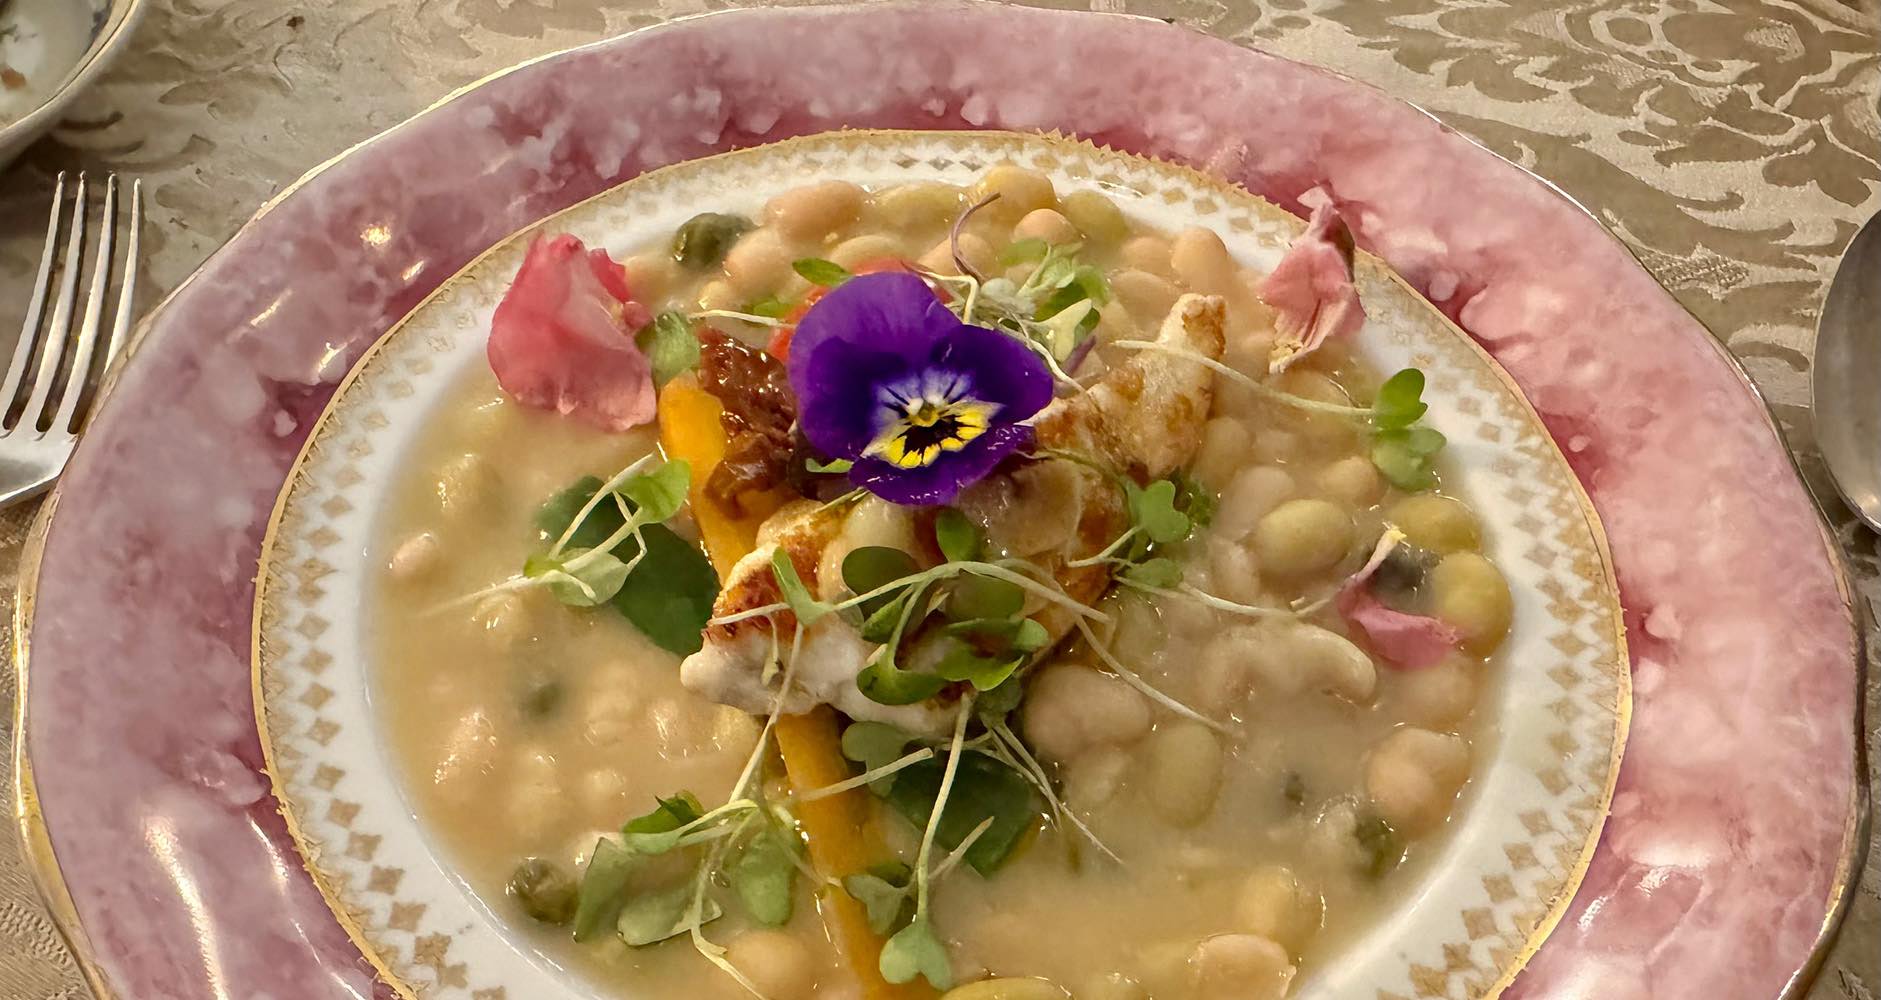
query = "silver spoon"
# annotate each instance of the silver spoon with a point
(1846, 380)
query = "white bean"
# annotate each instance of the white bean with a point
(1183, 761)
(415, 557)
(1469, 592)
(1352, 481)
(778, 964)
(1019, 190)
(650, 275)
(1301, 537)
(1275, 904)
(859, 250)
(466, 757)
(505, 619)
(1249, 497)
(1149, 254)
(1045, 224)
(1096, 216)
(534, 794)
(1437, 523)
(1240, 967)
(467, 485)
(1201, 261)
(871, 521)
(1223, 451)
(1071, 706)
(978, 253)
(1413, 775)
(1234, 573)
(919, 205)
(1147, 296)
(815, 211)
(1283, 658)
(1436, 697)
(1006, 989)
(758, 263)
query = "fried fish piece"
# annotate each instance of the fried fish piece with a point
(1142, 418)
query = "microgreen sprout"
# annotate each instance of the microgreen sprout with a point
(915, 950)
(818, 271)
(1403, 450)
(669, 344)
(755, 319)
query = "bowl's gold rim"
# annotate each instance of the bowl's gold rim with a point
(36, 836)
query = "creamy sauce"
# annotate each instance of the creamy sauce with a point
(529, 729)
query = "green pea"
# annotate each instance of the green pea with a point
(1384, 849)
(540, 697)
(702, 241)
(543, 890)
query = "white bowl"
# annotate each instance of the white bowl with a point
(59, 46)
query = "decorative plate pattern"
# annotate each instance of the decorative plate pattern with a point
(1543, 778)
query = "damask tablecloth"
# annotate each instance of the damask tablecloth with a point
(1733, 144)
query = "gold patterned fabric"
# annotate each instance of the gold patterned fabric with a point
(1732, 143)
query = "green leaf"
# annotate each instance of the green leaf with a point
(603, 887)
(833, 467)
(983, 788)
(1196, 501)
(769, 307)
(1407, 457)
(974, 596)
(658, 831)
(594, 581)
(807, 608)
(885, 891)
(554, 516)
(959, 539)
(701, 242)
(885, 684)
(1158, 572)
(659, 494)
(1066, 328)
(1031, 637)
(1399, 402)
(1024, 251)
(879, 627)
(763, 876)
(818, 271)
(669, 595)
(875, 744)
(1153, 508)
(652, 917)
(873, 566)
(669, 344)
(670, 814)
(915, 951)
(984, 672)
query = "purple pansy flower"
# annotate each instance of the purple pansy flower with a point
(922, 403)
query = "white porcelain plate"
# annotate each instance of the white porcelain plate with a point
(1544, 770)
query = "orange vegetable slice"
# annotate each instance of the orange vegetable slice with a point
(835, 828)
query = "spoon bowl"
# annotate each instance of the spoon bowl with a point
(1846, 380)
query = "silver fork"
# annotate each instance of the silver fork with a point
(54, 362)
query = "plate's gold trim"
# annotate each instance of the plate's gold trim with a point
(1617, 669)
(36, 835)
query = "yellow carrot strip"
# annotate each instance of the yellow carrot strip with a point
(835, 827)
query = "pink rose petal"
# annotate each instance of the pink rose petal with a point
(562, 338)
(1311, 289)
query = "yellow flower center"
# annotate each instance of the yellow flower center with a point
(926, 419)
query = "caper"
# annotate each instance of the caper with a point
(1384, 849)
(540, 696)
(1397, 578)
(702, 241)
(1294, 789)
(543, 890)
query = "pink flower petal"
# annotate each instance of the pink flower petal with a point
(562, 338)
(1404, 640)
(1311, 289)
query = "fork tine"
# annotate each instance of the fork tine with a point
(78, 374)
(35, 307)
(61, 325)
(127, 292)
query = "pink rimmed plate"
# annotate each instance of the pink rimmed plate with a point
(1726, 856)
